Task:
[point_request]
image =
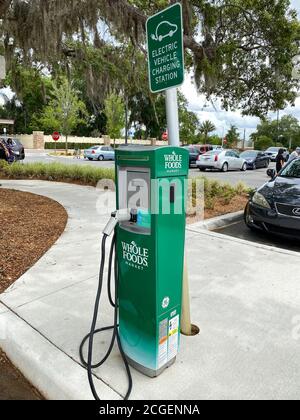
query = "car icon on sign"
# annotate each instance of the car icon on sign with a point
(164, 29)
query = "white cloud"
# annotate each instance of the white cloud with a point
(207, 110)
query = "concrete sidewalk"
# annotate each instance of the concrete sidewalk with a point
(245, 299)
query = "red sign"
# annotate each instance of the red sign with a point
(165, 137)
(56, 136)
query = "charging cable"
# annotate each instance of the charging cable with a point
(116, 218)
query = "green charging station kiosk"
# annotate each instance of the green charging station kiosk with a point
(152, 182)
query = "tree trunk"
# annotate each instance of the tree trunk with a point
(67, 145)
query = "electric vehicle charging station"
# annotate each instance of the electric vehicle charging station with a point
(149, 229)
(149, 241)
(152, 183)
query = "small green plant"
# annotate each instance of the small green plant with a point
(215, 190)
(56, 172)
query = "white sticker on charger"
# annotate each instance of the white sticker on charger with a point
(173, 338)
(163, 344)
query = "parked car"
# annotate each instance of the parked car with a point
(194, 153)
(15, 146)
(255, 159)
(202, 149)
(222, 160)
(272, 153)
(275, 207)
(100, 153)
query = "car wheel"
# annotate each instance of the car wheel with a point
(202, 169)
(101, 158)
(90, 159)
(247, 218)
(225, 167)
(244, 167)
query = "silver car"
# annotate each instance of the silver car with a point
(272, 153)
(222, 160)
(100, 153)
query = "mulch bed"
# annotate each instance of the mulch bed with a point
(238, 203)
(30, 225)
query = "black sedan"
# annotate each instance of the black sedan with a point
(275, 207)
(255, 159)
(15, 148)
(194, 154)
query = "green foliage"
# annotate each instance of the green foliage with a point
(33, 90)
(216, 191)
(206, 128)
(56, 172)
(286, 131)
(232, 137)
(148, 111)
(115, 113)
(263, 143)
(64, 112)
(71, 146)
(241, 51)
(215, 140)
(189, 126)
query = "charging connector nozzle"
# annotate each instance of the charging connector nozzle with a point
(117, 217)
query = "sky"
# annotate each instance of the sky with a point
(223, 119)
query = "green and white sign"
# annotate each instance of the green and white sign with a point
(165, 49)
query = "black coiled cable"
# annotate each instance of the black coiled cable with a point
(89, 363)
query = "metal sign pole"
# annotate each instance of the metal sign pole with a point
(172, 117)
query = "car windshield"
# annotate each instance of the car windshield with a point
(250, 154)
(273, 149)
(292, 170)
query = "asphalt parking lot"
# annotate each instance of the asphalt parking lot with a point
(240, 230)
(252, 179)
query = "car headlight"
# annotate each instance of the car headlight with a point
(260, 200)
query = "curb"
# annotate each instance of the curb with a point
(217, 222)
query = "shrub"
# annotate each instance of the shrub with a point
(56, 172)
(215, 190)
(71, 146)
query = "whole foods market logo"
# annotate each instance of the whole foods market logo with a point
(135, 256)
(173, 161)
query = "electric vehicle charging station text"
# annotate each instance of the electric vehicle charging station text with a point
(151, 182)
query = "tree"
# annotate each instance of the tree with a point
(189, 125)
(33, 90)
(263, 143)
(148, 111)
(287, 131)
(115, 113)
(241, 50)
(215, 140)
(64, 112)
(232, 137)
(206, 128)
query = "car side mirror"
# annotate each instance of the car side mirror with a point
(271, 173)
